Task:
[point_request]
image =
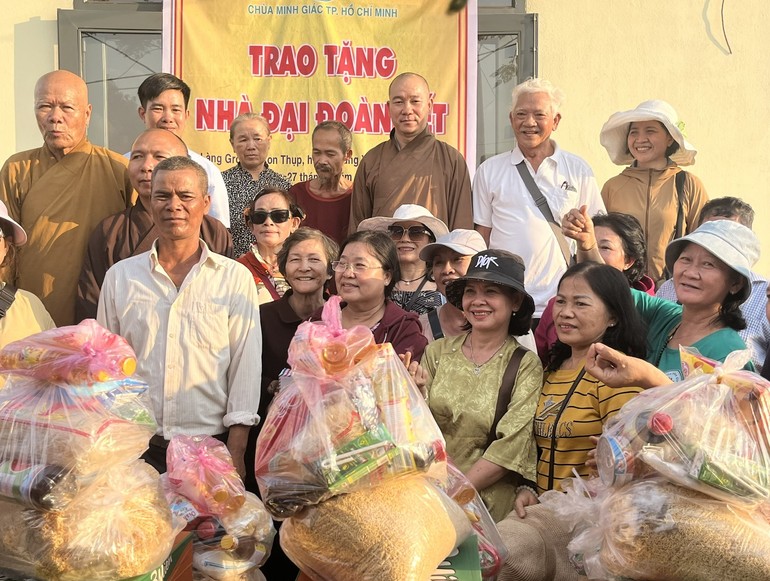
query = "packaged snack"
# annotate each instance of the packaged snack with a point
(348, 417)
(78, 354)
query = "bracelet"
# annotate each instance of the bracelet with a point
(526, 487)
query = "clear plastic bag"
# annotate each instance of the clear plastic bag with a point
(708, 433)
(653, 529)
(120, 527)
(492, 550)
(201, 469)
(400, 530)
(78, 354)
(348, 417)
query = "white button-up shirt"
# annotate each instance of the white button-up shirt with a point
(199, 347)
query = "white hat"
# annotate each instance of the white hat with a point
(407, 213)
(464, 242)
(19, 235)
(729, 241)
(614, 135)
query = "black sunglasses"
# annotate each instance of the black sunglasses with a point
(414, 233)
(277, 216)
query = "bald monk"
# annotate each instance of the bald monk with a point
(59, 192)
(412, 167)
(133, 231)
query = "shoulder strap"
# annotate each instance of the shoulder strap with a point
(435, 324)
(545, 210)
(552, 460)
(679, 180)
(507, 387)
(7, 296)
(415, 294)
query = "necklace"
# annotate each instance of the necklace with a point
(411, 280)
(477, 366)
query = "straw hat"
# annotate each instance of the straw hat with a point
(614, 135)
(729, 241)
(464, 242)
(407, 213)
(19, 235)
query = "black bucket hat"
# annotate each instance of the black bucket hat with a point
(497, 266)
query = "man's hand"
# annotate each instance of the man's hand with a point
(577, 224)
(236, 444)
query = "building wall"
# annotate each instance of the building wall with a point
(609, 56)
(28, 43)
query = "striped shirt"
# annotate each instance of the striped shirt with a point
(588, 409)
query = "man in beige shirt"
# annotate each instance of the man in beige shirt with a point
(59, 193)
(192, 316)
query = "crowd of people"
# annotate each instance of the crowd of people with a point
(528, 305)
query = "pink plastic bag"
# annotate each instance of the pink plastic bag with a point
(79, 354)
(201, 469)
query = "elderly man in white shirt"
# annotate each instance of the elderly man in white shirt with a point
(504, 210)
(192, 317)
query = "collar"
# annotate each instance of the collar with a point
(757, 278)
(425, 133)
(207, 258)
(517, 156)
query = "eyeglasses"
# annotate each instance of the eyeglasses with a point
(414, 233)
(277, 216)
(358, 268)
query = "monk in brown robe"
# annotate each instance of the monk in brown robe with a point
(59, 192)
(412, 167)
(133, 231)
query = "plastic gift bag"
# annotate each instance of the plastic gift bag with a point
(653, 529)
(708, 433)
(78, 354)
(400, 530)
(201, 469)
(492, 550)
(121, 527)
(348, 417)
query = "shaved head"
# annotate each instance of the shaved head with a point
(62, 111)
(410, 105)
(149, 149)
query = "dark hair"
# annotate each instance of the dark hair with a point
(631, 235)
(294, 209)
(670, 150)
(611, 287)
(728, 207)
(9, 262)
(179, 162)
(330, 247)
(155, 84)
(346, 137)
(383, 248)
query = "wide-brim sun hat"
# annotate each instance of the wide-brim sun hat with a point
(732, 243)
(19, 235)
(614, 134)
(407, 213)
(494, 266)
(464, 242)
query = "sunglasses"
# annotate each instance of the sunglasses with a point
(277, 216)
(414, 233)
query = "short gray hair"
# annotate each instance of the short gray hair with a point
(177, 163)
(246, 117)
(529, 86)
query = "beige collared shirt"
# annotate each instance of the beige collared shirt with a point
(199, 347)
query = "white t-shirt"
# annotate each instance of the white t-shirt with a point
(502, 202)
(220, 206)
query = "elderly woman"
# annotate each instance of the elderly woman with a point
(21, 313)
(712, 277)
(365, 274)
(617, 240)
(250, 139)
(664, 198)
(482, 386)
(412, 227)
(272, 216)
(448, 258)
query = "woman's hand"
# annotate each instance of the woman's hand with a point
(524, 498)
(577, 224)
(416, 371)
(617, 369)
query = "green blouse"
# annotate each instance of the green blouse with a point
(463, 405)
